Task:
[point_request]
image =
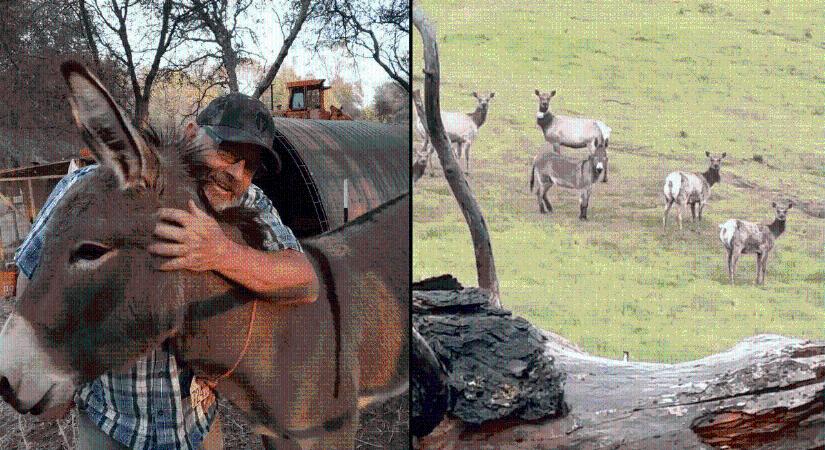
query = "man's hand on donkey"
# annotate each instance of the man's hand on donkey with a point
(192, 238)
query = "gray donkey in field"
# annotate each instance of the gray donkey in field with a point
(573, 132)
(683, 188)
(462, 129)
(550, 168)
(739, 236)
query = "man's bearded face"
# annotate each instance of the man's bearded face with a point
(232, 167)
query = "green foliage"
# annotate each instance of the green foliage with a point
(672, 81)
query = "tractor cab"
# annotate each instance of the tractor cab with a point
(306, 101)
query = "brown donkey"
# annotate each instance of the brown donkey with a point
(98, 300)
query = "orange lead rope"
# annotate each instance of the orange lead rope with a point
(201, 390)
(245, 344)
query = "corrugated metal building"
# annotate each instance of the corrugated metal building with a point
(317, 156)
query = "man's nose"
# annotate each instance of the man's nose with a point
(236, 170)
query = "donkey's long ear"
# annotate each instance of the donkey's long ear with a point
(105, 127)
(538, 94)
(552, 93)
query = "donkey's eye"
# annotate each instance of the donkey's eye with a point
(89, 251)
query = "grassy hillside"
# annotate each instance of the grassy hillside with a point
(673, 79)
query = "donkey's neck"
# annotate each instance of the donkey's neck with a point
(777, 227)
(479, 116)
(215, 342)
(712, 176)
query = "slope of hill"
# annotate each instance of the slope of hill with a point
(673, 80)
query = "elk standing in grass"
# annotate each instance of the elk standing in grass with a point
(739, 236)
(683, 188)
(462, 129)
(550, 168)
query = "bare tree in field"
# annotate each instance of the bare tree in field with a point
(377, 30)
(299, 16)
(216, 22)
(392, 104)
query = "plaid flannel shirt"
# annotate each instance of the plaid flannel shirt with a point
(148, 407)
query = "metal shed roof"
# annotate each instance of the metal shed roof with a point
(373, 157)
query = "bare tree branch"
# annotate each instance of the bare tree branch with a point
(485, 264)
(381, 33)
(264, 84)
(88, 32)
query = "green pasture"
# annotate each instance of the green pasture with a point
(673, 80)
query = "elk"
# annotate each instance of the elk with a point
(462, 129)
(683, 188)
(573, 132)
(550, 168)
(739, 237)
(98, 299)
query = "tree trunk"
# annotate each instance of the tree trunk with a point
(485, 264)
(230, 64)
(421, 158)
(265, 83)
(767, 392)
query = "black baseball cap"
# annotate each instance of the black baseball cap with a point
(239, 118)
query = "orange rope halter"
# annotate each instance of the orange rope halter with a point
(204, 398)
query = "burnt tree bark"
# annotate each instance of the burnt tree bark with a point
(767, 392)
(428, 387)
(485, 263)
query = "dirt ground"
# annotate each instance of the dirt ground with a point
(384, 426)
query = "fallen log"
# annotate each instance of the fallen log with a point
(767, 392)
(429, 395)
(496, 362)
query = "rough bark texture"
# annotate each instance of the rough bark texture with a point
(485, 264)
(429, 393)
(767, 392)
(444, 282)
(496, 362)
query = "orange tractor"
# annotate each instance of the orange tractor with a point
(306, 101)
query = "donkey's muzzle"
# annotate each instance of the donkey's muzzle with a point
(29, 381)
(42, 407)
(10, 397)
